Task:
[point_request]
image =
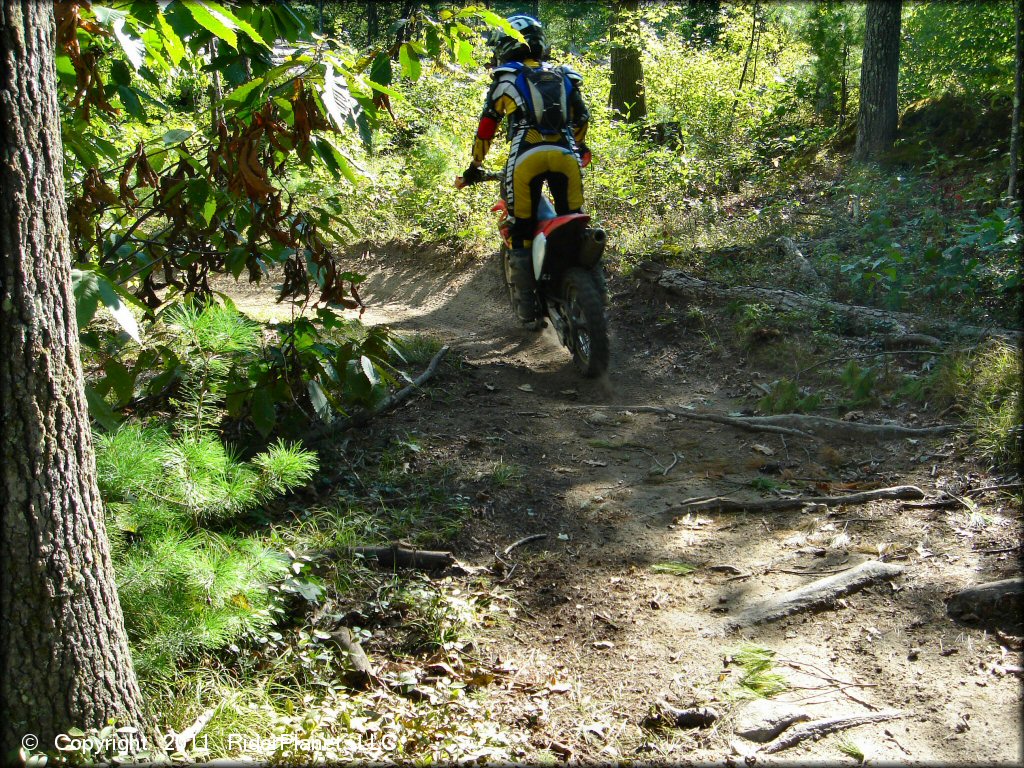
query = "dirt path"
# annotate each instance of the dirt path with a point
(600, 634)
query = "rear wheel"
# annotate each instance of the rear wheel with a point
(588, 328)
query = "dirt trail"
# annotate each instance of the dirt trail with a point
(601, 635)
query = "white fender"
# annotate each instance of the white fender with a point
(540, 245)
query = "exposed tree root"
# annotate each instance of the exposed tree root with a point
(995, 603)
(360, 674)
(815, 729)
(817, 594)
(795, 424)
(396, 556)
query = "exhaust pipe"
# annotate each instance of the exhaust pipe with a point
(592, 246)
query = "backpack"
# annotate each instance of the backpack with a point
(545, 92)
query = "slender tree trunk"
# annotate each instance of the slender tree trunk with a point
(746, 64)
(1013, 185)
(64, 658)
(372, 23)
(844, 87)
(879, 78)
(627, 97)
(216, 92)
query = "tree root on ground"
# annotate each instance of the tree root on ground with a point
(817, 594)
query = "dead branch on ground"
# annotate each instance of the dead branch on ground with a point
(720, 504)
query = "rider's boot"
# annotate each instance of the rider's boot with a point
(520, 262)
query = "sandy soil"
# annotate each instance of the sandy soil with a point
(600, 635)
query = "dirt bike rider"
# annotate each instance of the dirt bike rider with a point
(548, 122)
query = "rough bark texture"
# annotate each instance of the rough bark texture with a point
(627, 96)
(879, 76)
(1013, 185)
(64, 658)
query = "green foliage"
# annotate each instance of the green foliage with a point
(786, 397)
(962, 47)
(679, 568)
(860, 383)
(758, 323)
(756, 676)
(185, 589)
(992, 386)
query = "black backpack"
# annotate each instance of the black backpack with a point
(545, 93)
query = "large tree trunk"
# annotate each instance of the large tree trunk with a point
(879, 77)
(627, 97)
(1013, 185)
(64, 658)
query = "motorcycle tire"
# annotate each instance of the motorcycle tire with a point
(506, 278)
(588, 327)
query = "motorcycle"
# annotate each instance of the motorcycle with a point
(570, 286)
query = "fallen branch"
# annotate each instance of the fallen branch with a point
(524, 540)
(795, 424)
(361, 674)
(679, 283)
(401, 557)
(815, 729)
(817, 594)
(802, 266)
(389, 403)
(798, 502)
(183, 739)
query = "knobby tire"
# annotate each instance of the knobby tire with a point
(588, 325)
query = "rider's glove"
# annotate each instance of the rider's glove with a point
(585, 155)
(473, 174)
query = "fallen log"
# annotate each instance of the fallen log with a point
(796, 424)
(857, 318)
(360, 674)
(395, 556)
(815, 729)
(817, 594)
(719, 504)
(996, 603)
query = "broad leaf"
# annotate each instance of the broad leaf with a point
(134, 48)
(207, 15)
(410, 62)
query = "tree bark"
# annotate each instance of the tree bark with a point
(64, 657)
(627, 97)
(1013, 185)
(878, 115)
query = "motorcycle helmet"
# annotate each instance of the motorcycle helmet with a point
(507, 48)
